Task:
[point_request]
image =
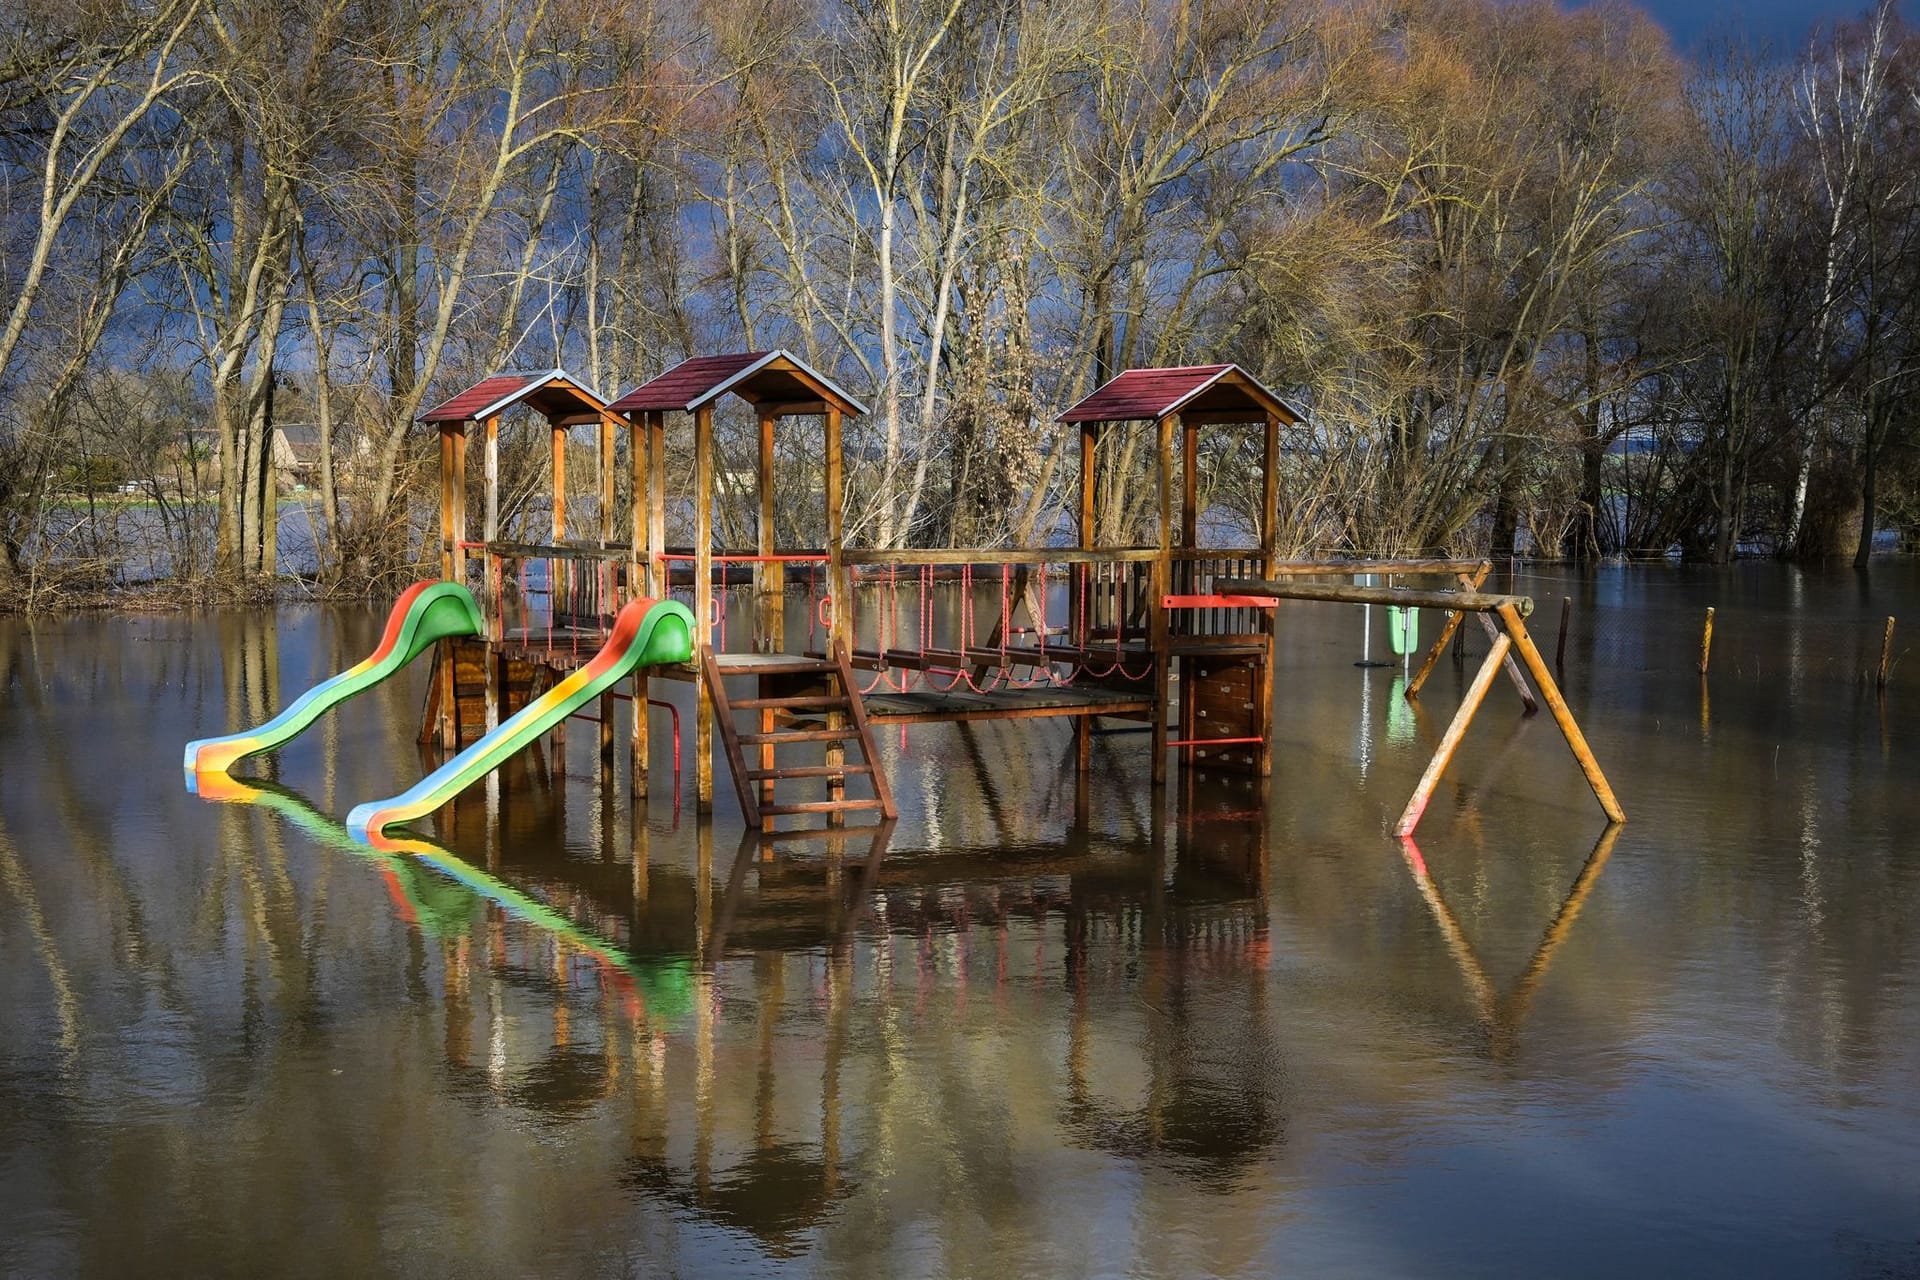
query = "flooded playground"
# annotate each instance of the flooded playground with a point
(1046, 1023)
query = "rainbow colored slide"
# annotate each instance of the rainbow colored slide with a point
(647, 633)
(426, 612)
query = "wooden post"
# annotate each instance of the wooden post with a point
(640, 574)
(447, 536)
(492, 604)
(1450, 741)
(458, 436)
(703, 603)
(559, 483)
(1189, 485)
(1560, 646)
(1081, 595)
(659, 581)
(1157, 613)
(606, 459)
(1706, 641)
(1569, 729)
(1886, 656)
(840, 589)
(769, 579)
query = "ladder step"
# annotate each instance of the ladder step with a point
(816, 806)
(753, 664)
(823, 702)
(806, 735)
(809, 771)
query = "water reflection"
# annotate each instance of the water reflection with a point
(1048, 1024)
(1504, 1014)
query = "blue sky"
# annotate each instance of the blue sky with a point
(1782, 24)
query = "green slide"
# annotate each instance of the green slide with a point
(426, 612)
(647, 633)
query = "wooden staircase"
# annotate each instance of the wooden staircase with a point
(799, 699)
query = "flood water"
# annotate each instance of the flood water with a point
(1036, 1029)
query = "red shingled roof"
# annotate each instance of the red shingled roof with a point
(688, 383)
(553, 392)
(477, 397)
(1154, 393)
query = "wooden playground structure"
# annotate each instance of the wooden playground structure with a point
(1170, 635)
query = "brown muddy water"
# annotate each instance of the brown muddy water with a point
(1034, 1031)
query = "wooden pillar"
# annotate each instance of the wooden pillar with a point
(769, 581)
(1083, 593)
(491, 593)
(1190, 488)
(559, 483)
(659, 583)
(839, 585)
(1450, 741)
(769, 578)
(608, 442)
(455, 509)
(1269, 560)
(447, 534)
(703, 602)
(1156, 611)
(1270, 495)
(640, 578)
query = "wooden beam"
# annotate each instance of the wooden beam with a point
(838, 556)
(1511, 617)
(1309, 568)
(999, 555)
(1348, 593)
(490, 523)
(1450, 741)
(1189, 484)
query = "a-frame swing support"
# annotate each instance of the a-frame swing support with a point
(1510, 637)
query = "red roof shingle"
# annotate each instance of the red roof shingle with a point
(1148, 394)
(687, 383)
(477, 397)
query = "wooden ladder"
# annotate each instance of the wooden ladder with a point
(811, 690)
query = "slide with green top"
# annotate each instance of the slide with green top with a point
(648, 633)
(425, 613)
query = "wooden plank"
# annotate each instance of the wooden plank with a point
(819, 806)
(838, 584)
(801, 735)
(1308, 568)
(809, 771)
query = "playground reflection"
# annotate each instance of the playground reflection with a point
(1047, 1023)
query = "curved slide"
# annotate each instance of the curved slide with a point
(647, 633)
(426, 612)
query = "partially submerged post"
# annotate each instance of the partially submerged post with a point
(1706, 641)
(1886, 655)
